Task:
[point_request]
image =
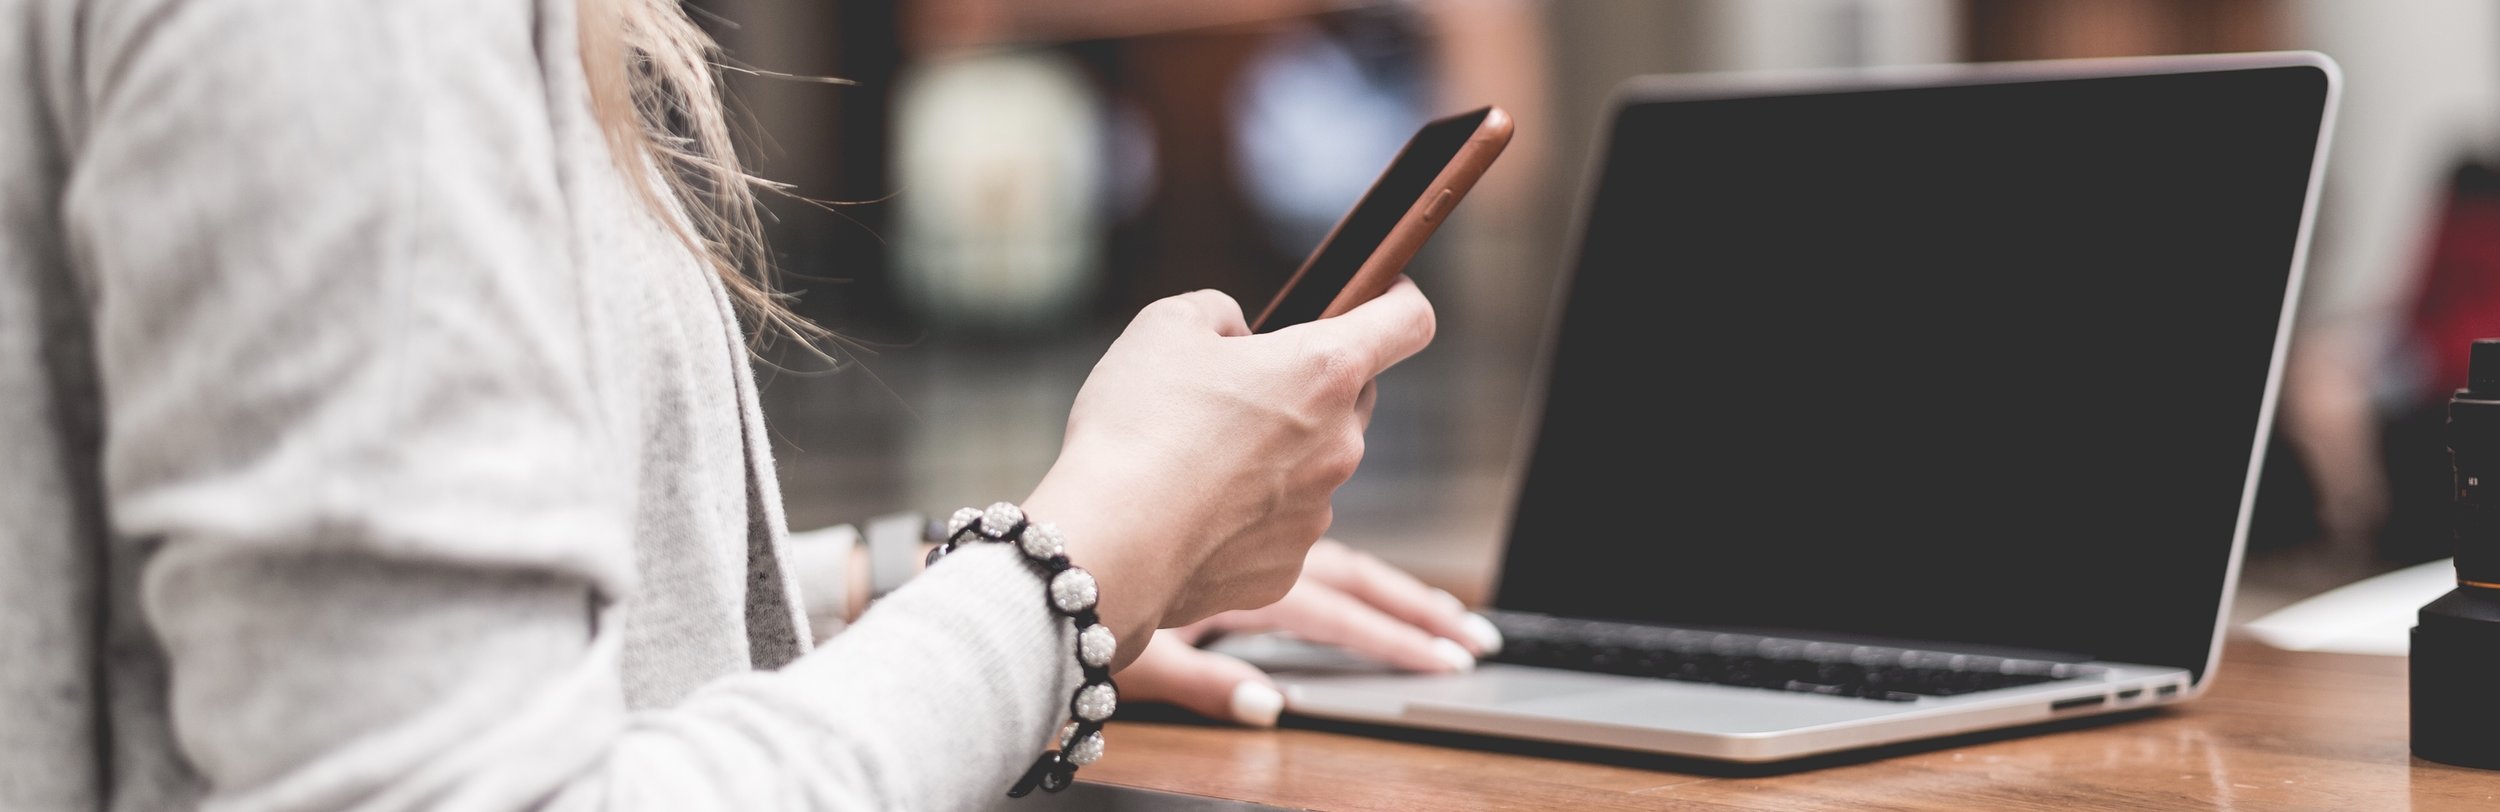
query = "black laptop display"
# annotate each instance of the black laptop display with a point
(1976, 364)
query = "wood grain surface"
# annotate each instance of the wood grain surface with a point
(2279, 731)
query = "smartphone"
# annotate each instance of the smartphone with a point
(1370, 247)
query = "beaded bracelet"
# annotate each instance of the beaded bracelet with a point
(1073, 594)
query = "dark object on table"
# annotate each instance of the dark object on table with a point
(2456, 645)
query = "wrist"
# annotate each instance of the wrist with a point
(1115, 542)
(1069, 591)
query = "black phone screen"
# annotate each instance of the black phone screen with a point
(1343, 252)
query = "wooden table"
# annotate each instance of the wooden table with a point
(2279, 731)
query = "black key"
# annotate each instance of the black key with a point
(1817, 688)
(1604, 659)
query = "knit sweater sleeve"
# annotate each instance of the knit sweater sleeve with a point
(342, 360)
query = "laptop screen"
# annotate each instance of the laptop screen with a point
(1978, 363)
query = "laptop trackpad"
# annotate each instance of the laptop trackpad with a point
(1684, 706)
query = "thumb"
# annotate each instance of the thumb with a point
(1213, 685)
(1381, 332)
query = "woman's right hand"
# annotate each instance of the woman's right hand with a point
(1200, 459)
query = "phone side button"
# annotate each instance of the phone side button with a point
(1440, 205)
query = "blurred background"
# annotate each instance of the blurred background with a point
(1009, 180)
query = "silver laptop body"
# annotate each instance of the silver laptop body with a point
(1602, 654)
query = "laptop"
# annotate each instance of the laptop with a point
(1890, 405)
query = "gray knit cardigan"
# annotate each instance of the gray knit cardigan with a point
(364, 445)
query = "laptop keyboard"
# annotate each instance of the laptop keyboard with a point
(1773, 663)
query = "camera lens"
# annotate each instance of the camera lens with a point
(2474, 449)
(2482, 376)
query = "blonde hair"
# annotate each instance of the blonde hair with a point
(655, 90)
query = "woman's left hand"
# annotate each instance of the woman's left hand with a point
(1345, 598)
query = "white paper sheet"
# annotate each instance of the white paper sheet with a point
(2373, 616)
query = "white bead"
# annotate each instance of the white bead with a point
(1084, 752)
(1001, 518)
(1095, 646)
(1095, 702)
(1073, 590)
(1067, 735)
(1042, 541)
(964, 517)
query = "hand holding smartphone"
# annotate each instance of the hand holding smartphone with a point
(1367, 250)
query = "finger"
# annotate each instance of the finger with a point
(1219, 310)
(1398, 594)
(1319, 613)
(1209, 684)
(1381, 332)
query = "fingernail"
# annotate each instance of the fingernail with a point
(1256, 704)
(1481, 631)
(1449, 651)
(1450, 602)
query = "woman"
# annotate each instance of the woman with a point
(380, 436)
